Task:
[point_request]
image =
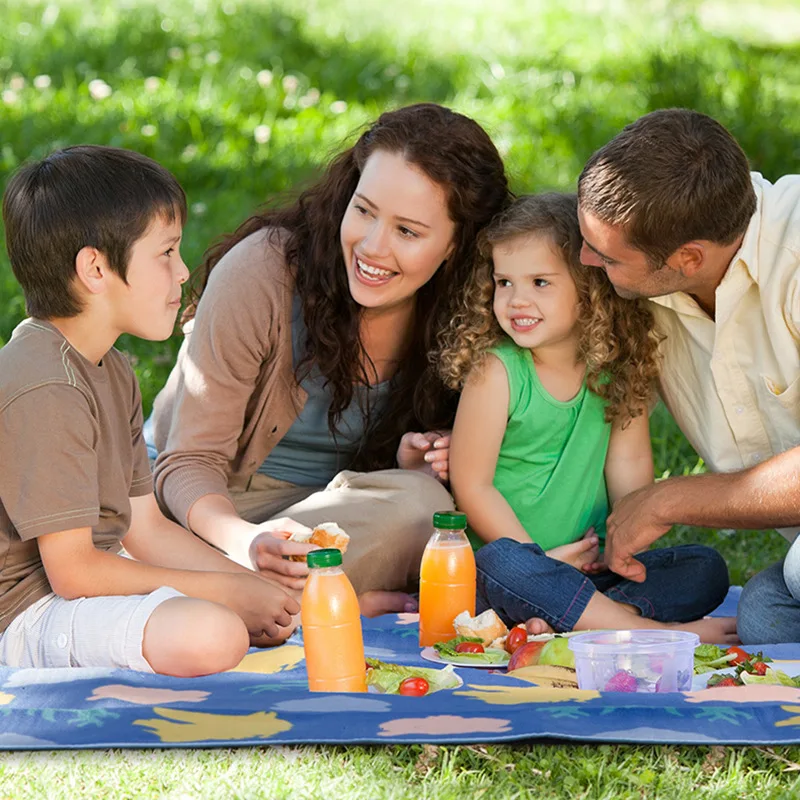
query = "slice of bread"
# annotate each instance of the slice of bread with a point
(327, 534)
(486, 626)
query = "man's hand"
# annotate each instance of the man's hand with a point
(270, 545)
(427, 452)
(633, 525)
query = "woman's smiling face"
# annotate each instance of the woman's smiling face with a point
(395, 233)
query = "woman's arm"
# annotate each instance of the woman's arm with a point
(210, 399)
(477, 435)
(629, 461)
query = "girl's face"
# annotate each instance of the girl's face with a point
(535, 299)
(395, 233)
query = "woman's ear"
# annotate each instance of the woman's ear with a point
(91, 270)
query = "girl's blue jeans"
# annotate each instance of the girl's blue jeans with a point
(519, 581)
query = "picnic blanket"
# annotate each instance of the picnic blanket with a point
(265, 700)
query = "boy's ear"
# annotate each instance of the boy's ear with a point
(91, 270)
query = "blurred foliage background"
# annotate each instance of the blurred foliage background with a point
(244, 100)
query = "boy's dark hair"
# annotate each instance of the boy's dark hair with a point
(668, 178)
(81, 196)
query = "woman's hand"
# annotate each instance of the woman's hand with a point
(269, 546)
(427, 452)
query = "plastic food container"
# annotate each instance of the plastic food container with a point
(635, 661)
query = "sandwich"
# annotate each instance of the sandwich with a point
(327, 534)
(486, 626)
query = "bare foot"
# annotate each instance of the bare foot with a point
(713, 630)
(536, 625)
(583, 553)
(374, 603)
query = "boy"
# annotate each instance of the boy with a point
(93, 234)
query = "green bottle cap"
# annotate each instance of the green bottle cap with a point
(450, 520)
(328, 557)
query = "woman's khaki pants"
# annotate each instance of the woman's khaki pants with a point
(388, 515)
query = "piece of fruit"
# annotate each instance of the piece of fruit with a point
(414, 687)
(525, 655)
(740, 655)
(517, 636)
(760, 668)
(470, 647)
(557, 652)
(548, 675)
(621, 681)
(727, 681)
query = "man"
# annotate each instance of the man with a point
(670, 210)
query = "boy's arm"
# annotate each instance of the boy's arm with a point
(475, 445)
(154, 539)
(76, 568)
(629, 461)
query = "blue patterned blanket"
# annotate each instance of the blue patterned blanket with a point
(265, 701)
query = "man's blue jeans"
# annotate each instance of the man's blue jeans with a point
(519, 582)
(769, 608)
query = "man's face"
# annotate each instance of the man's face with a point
(606, 246)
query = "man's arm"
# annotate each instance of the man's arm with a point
(764, 496)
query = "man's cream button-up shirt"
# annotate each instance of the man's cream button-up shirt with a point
(733, 383)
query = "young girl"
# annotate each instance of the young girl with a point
(551, 430)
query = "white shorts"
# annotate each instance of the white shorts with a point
(86, 632)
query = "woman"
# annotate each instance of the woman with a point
(304, 379)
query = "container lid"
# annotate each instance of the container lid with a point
(648, 641)
(450, 520)
(327, 557)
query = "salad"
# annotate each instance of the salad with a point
(470, 650)
(748, 668)
(411, 681)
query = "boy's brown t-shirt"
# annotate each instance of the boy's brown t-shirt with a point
(71, 454)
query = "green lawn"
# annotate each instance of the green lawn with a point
(243, 100)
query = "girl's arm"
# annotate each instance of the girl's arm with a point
(629, 461)
(475, 444)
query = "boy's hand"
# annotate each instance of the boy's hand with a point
(270, 545)
(427, 452)
(267, 611)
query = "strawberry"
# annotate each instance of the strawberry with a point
(760, 668)
(622, 681)
(728, 681)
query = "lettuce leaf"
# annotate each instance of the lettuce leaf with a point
(447, 652)
(773, 677)
(386, 678)
(709, 657)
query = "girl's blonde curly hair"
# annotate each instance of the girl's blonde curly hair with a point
(617, 341)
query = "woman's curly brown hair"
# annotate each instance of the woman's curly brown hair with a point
(617, 341)
(458, 155)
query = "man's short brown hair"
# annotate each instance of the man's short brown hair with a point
(671, 177)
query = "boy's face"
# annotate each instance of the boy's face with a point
(148, 304)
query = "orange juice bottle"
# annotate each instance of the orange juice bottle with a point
(331, 620)
(447, 578)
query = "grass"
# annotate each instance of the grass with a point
(244, 100)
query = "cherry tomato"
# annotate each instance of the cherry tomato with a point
(516, 638)
(741, 655)
(414, 687)
(469, 647)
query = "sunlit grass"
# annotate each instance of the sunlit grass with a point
(244, 99)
